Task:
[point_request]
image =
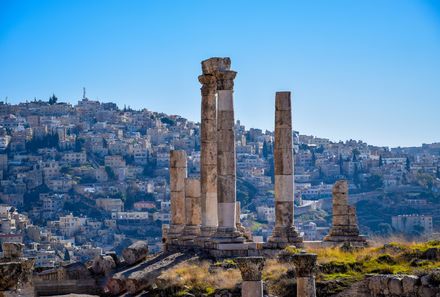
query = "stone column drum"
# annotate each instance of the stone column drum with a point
(305, 268)
(284, 233)
(344, 227)
(208, 153)
(251, 269)
(192, 210)
(226, 180)
(178, 172)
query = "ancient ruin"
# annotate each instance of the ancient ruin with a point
(251, 269)
(305, 269)
(284, 233)
(345, 227)
(220, 233)
(178, 172)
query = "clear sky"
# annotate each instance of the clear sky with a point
(365, 69)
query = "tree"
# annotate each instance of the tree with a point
(374, 182)
(313, 159)
(385, 229)
(380, 161)
(66, 255)
(341, 164)
(418, 230)
(265, 150)
(408, 164)
(355, 152)
(438, 172)
(53, 99)
(110, 173)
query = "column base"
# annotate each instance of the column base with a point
(228, 235)
(189, 234)
(283, 237)
(206, 234)
(174, 234)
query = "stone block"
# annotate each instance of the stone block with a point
(177, 179)
(208, 178)
(283, 101)
(283, 161)
(209, 108)
(193, 211)
(192, 187)
(225, 101)
(283, 138)
(340, 210)
(208, 131)
(226, 189)
(12, 250)
(283, 119)
(225, 119)
(409, 284)
(209, 210)
(177, 159)
(226, 163)
(135, 252)
(226, 214)
(213, 65)
(208, 154)
(177, 208)
(284, 213)
(340, 220)
(225, 141)
(283, 188)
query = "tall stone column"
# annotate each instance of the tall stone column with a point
(208, 153)
(178, 172)
(284, 233)
(251, 269)
(192, 210)
(226, 180)
(305, 268)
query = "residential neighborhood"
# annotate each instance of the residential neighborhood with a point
(80, 180)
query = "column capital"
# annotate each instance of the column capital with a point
(209, 84)
(214, 64)
(225, 79)
(251, 268)
(305, 264)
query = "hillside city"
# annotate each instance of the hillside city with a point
(77, 180)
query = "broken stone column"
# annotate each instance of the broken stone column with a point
(135, 253)
(178, 172)
(192, 209)
(244, 231)
(251, 269)
(226, 179)
(103, 264)
(208, 150)
(284, 233)
(344, 228)
(305, 268)
(12, 250)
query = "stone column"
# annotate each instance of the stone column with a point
(178, 172)
(305, 268)
(192, 210)
(226, 180)
(251, 269)
(208, 153)
(284, 233)
(344, 226)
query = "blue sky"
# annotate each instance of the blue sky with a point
(366, 69)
